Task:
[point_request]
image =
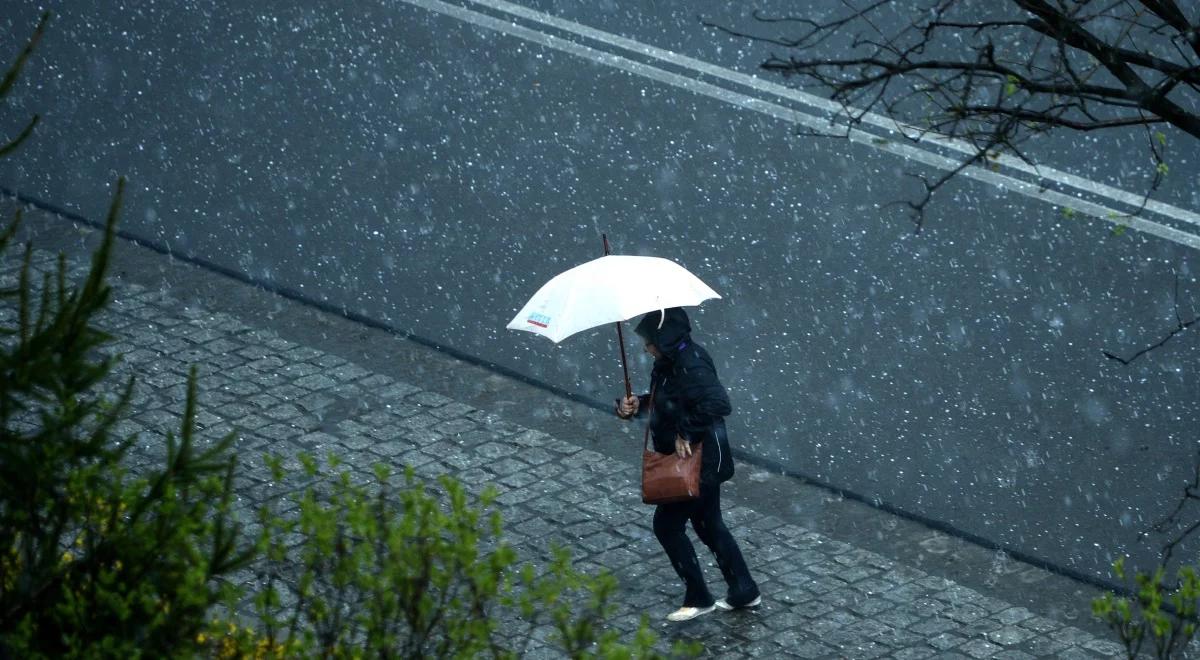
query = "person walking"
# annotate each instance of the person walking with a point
(689, 408)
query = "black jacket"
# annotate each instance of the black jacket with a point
(689, 400)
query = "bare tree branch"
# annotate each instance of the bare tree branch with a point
(1172, 519)
(992, 75)
(1170, 13)
(1180, 327)
(1024, 68)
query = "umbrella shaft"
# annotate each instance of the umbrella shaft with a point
(624, 366)
(620, 336)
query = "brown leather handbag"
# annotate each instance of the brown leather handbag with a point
(668, 478)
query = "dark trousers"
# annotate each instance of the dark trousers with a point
(670, 523)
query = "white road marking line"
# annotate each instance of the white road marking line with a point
(903, 149)
(825, 105)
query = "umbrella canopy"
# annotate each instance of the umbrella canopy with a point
(610, 289)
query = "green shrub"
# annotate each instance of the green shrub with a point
(389, 569)
(95, 561)
(1165, 615)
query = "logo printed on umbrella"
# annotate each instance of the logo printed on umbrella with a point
(540, 320)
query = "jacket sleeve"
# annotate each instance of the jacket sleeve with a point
(643, 405)
(705, 401)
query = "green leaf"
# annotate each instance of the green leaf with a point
(1011, 85)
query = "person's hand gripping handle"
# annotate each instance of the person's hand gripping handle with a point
(627, 407)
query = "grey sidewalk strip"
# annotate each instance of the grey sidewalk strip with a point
(822, 597)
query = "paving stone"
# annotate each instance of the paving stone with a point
(474, 476)
(980, 627)
(242, 388)
(270, 363)
(289, 393)
(1105, 648)
(347, 372)
(317, 381)
(418, 422)
(798, 646)
(901, 617)
(358, 443)
(396, 391)
(384, 432)
(875, 585)
(934, 626)
(160, 420)
(860, 649)
(282, 412)
(251, 422)
(913, 653)
(495, 451)
(422, 437)
(1010, 635)
(390, 449)
(900, 638)
(280, 345)
(518, 479)
(1044, 647)
(1040, 624)
(1014, 615)
(966, 613)
(452, 411)
(871, 607)
(375, 382)
(429, 399)
(1075, 653)
(516, 496)
(306, 354)
(935, 584)
(601, 542)
(831, 621)
(536, 456)
(531, 438)
(946, 641)
(979, 648)
(280, 431)
(314, 402)
(324, 360)
(1070, 635)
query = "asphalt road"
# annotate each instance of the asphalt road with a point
(430, 165)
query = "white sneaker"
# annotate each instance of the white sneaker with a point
(689, 613)
(722, 604)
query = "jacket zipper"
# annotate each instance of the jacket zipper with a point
(717, 442)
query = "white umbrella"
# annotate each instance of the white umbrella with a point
(607, 290)
(610, 289)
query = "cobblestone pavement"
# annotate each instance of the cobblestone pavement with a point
(822, 597)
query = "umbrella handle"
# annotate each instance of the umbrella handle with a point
(620, 336)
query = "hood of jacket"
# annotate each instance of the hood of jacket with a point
(667, 329)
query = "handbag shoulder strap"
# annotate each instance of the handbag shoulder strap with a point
(649, 417)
